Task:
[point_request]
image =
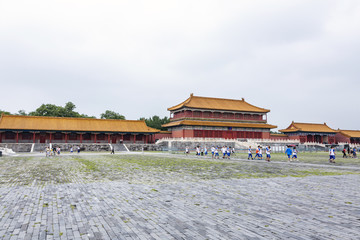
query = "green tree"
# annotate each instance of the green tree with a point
(51, 110)
(156, 122)
(4, 112)
(22, 113)
(111, 115)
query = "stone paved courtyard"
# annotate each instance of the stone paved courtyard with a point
(178, 206)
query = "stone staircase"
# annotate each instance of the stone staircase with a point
(119, 147)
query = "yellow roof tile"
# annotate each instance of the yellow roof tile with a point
(14, 122)
(308, 127)
(218, 104)
(218, 124)
(350, 133)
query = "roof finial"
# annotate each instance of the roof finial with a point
(191, 94)
(242, 99)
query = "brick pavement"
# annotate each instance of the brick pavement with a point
(314, 207)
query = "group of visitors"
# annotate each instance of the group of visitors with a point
(351, 152)
(291, 154)
(258, 154)
(77, 149)
(227, 151)
(52, 152)
(57, 150)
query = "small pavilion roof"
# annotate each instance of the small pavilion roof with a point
(218, 124)
(218, 104)
(350, 133)
(15, 122)
(308, 127)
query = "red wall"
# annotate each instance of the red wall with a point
(341, 138)
(163, 135)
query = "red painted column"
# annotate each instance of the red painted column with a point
(109, 138)
(17, 137)
(0, 137)
(134, 138)
(50, 136)
(95, 138)
(80, 138)
(66, 137)
(33, 137)
(122, 137)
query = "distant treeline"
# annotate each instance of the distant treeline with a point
(51, 110)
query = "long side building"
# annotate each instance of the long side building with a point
(29, 129)
(310, 132)
(348, 136)
(207, 117)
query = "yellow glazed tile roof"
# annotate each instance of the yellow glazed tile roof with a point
(308, 127)
(14, 122)
(350, 133)
(219, 124)
(218, 104)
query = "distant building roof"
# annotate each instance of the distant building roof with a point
(218, 104)
(14, 122)
(308, 127)
(350, 133)
(219, 124)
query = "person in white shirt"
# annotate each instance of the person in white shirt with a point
(294, 156)
(250, 154)
(332, 155)
(268, 153)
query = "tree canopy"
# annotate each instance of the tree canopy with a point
(111, 115)
(51, 110)
(156, 122)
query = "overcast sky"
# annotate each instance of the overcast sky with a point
(298, 58)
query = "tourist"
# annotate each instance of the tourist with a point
(233, 151)
(354, 152)
(187, 151)
(202, 151)
(288, 152)
(268, 153)
(344, 153)
(78, 150)
(260, 153)
(250, 154)
(71, 150)
(58, 150)
(197, 151)
(47, 152)
(217, 152)
(295, 154)
(228, 152)
(112, 150)
(223, 150)
(212, 151)
(205, 151)
(257, 153)
(332, 155)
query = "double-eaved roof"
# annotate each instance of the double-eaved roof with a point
(350, 133)
(197, 102)
(34, 123)
(308, 127)
(218, 124)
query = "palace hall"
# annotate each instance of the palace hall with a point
(206, 117)
(310, 132)
(31, 129)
